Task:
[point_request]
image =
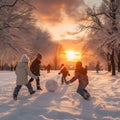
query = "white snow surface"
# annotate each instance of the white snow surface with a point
(64, 103)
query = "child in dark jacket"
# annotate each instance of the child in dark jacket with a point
(64, 73)
(35, 69)
(81, 75)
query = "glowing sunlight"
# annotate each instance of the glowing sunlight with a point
(72, 55)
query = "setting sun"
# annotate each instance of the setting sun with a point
(72, 55)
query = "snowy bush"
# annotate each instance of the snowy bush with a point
(51, 85)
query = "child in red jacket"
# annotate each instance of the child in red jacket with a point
(64, 73)
(81, 75)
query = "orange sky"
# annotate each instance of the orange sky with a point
(61, 17)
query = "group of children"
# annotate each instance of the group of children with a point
(81, 75)
(23, 71)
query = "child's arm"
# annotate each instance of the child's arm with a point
(68, 73)
(59, 73)
(76, 76)
(30, 73)
(72, 80)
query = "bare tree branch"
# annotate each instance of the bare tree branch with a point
(9, 5)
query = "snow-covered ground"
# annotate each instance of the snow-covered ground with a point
(64, 103)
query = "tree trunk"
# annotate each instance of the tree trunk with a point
(109, 62)
(119, 66)
(113, 11)
(113, 63)
(118, 61)
(109, 67)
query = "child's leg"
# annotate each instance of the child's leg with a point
(80, 91)
(65, 78)
(83, 92)
(62, 80)
(88, 94)
(30, 89)
(38, 84)
(16, 91)
(31, 79)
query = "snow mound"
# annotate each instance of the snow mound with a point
(51, 85)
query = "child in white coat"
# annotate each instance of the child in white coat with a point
(22, 72)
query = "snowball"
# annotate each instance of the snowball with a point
(51, 85)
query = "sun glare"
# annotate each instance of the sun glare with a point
(72, 55)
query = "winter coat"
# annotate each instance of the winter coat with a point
(81, 75)
(35, 67)
(48, 67)
(22, 72)
(64, 71)
(97, 67)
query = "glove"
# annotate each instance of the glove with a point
(68, 74)
(68, 82)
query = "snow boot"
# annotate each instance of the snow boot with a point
(39, 88)
(86, 95)
(15, 97)
(32, 92)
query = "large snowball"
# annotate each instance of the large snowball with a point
(51, 85)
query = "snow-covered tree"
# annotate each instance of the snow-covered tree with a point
(19, 34)
(15, 21)
(104, 28)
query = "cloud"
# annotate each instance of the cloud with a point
(57, 11)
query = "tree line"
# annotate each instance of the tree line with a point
(19, 34)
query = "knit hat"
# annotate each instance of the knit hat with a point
(24, 58)
(62, 65)
(78, 64)
(39, 56)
